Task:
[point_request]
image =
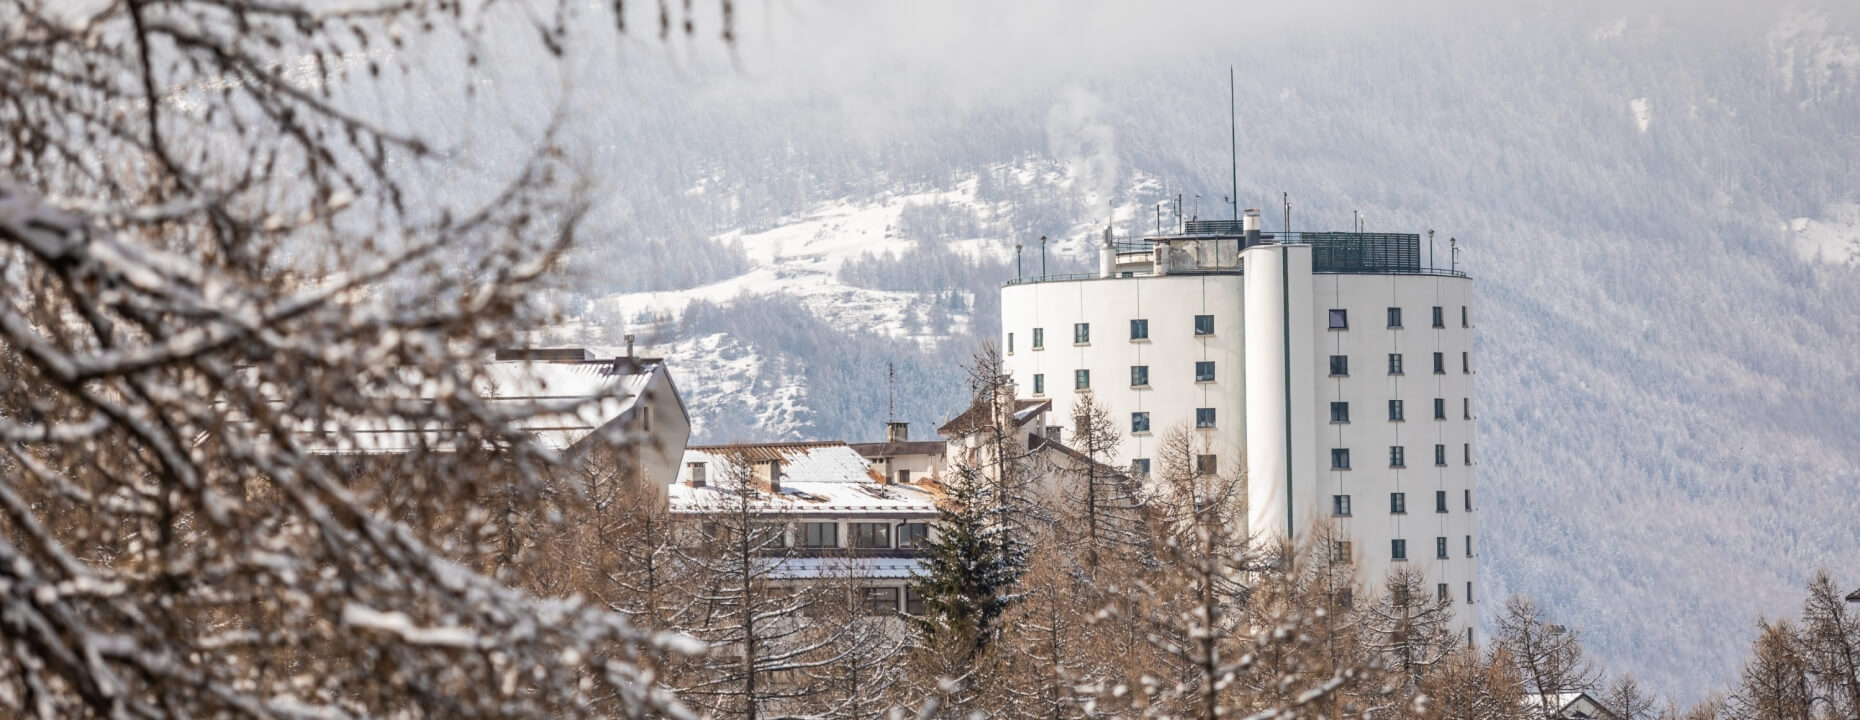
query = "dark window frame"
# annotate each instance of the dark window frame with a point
(1398, 503)
(1204, 325)
(1398, 412)
(1394, 318)
(811, 539)
(1081, 379)
(1340, 412)
(1398, 549)
(1340, 505)
(1440, 317)
(1139, 376)
(1398, 456)
(1081, 333)
(1201, 365)
(1205, 418)
(1395, 364)
(862, 534)
(1140, 329)
(1140, 422)
(1039, 338)
(1339, 366)
(1339, 319)
(1339, 458)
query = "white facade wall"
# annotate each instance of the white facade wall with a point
(1169, 304)
(1248, 393)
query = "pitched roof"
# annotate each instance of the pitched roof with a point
(1038, 441)
(818, 478)
(976, 417)
(894, 449)
(560, 403)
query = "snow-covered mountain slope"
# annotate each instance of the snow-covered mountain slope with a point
(1658, 210)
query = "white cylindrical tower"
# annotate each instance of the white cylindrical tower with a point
(1279, 383)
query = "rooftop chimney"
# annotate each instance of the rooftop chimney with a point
(695, 476)
(897, 432)
(769, 472)
(1251, 225)
(882, 468)
(629, 344)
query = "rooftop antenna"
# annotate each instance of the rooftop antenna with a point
(1430, 249)
(891, 393)
(1287, 199)
(1233, 118)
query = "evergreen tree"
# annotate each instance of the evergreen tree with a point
(968, 570)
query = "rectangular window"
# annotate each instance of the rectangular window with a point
(1398, 503)
(1463, 322)
(1339, 365)
(1206, 464)
(880, 601)
(1204, 371)
(1395, 410)
(1339, 459)
(1440, 408)
(1339, 320)
(1440, 455)
(770, 534)
(1139, 422)
(1440, 593)
(1340, 412)
(871, 535)
(1469, 592)
(1010, 343)
(1466, 407)
(1081, 333)
(913, 534)
(1039, 338)
(1339, 504)
(1039, 384)
(1340, 552)
(1139, 329)
(1440, 363)
(1395, 363)
(1204, 417)
(1440, 548)
(904, 477)
(1140, 467)
(1468, 448)
(1468, 502)
(820, 534)
(1394, 317)
(1081, 379)
(1398, 456)
(1440, 501)
(1468, 546)
(1439, 317)
(1204, 324)
(1466, 363)
(913, 603)
(1139, 375)
(1398, 549)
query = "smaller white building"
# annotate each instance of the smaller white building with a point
(838, 515)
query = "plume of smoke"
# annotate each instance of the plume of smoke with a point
(1077, 134)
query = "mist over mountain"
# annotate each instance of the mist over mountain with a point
(1660, 203)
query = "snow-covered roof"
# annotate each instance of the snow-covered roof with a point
(977, 416)
(816, 478)
(875, 568)
(559, 403)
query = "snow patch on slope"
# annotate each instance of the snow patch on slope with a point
(1832, 238)
(1643, 112)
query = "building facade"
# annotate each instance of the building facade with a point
(1335, 369)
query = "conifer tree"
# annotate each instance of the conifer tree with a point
(968, 571)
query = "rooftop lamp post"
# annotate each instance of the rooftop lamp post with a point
(1042, 256)
(1016, 259)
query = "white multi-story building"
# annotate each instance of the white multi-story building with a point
(1334, 368)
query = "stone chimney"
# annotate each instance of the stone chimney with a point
(769, 472)
(695, 475)
(897, 432)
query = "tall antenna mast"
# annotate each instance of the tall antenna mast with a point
(891, 393)
(1233, 118)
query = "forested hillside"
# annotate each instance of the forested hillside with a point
(1658, 204)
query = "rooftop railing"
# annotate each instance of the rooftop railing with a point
(1331, 253)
